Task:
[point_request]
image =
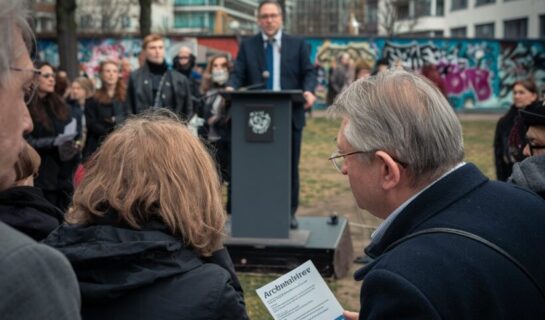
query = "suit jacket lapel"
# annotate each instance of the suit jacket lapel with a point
(284, 45)
(260, 53)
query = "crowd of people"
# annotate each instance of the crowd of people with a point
(126, 203)
(58, 104)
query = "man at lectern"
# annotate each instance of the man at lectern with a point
(280, 62)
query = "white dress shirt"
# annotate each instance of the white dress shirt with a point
(277, 44)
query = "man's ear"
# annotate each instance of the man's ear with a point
(390, 173)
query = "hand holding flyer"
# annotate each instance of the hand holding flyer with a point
(300, 294)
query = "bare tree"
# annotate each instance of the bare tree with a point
(66, 36)
(108, 15)
(145, 17)
(395, 15)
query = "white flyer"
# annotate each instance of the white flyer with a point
(300, 294)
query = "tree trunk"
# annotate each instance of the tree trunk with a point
(145, 17)
(66, 36)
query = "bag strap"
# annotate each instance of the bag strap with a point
(159, 89)
(476, 238)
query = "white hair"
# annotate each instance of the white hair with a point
(13, 15)
(405, 115)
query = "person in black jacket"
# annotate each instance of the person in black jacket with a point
(23, 206)
(51, 115)
(149, 245)
(510, 135)
(107, 108)
(154, 85)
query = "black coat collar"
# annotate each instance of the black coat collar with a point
(429, 203)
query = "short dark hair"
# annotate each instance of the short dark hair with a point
(264, 2)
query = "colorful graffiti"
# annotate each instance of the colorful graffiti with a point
(477, 74)
(468, 68)
(93, 51)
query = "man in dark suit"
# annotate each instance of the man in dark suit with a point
(453, 245)
(280, 62)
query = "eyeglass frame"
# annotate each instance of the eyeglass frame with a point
(272, 16)
(534, 147)
(336, 155)
(30, 92)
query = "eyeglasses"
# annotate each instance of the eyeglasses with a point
(183, 58)
(32, 86)
(267, 16)
(337, 159)
(48, 75)
(533, 147)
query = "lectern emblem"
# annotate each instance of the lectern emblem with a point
(259, 121)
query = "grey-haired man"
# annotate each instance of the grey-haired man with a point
(453, 245)
(36, 281)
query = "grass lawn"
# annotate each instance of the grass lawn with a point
(319, 181)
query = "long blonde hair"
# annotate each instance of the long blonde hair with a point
(153, 167)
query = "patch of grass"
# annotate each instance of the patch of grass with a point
(320, 181)
(478, 143)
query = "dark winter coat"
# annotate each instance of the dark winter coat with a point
(26, 209)
(444, 276)
(101, 120)
(175, 93)
(147, 274)
(530, 174)
(54, 174)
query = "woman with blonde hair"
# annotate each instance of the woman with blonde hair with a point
(145, 228)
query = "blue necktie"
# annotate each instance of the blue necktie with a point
(270, 64)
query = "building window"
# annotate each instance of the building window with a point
(190, 20)
(126, 22)
(485, 30)
(458, 5)
(542, 26)
(190, 2)
(422, 8)
(483, 2)
(86, 21)
(517, 28)
(371, 12)
(460, 32)
(440, 8)
(402, 10)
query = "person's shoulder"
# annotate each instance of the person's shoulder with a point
(11, 241)
(16, 248)
(212, 270)
(292, 38)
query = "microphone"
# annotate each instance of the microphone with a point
(265, 75)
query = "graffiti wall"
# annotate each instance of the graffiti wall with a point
(476, 74)
(127, 51)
